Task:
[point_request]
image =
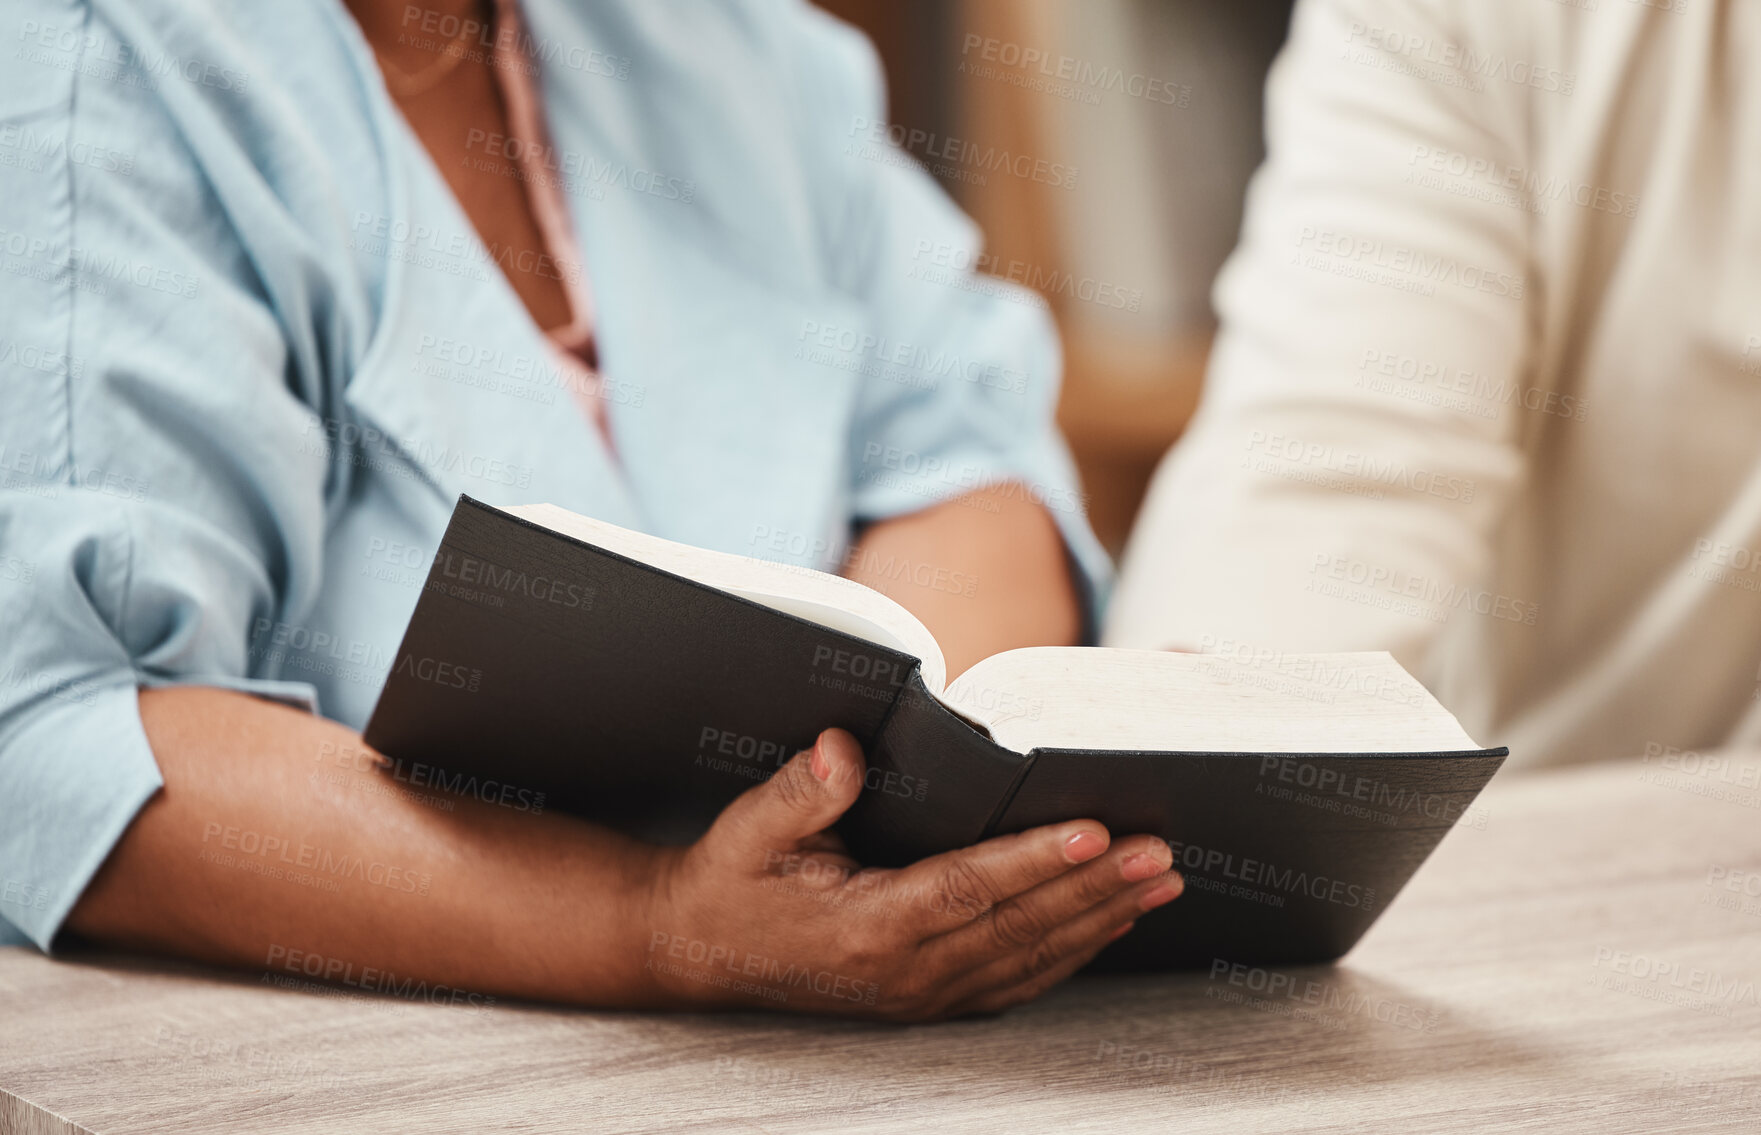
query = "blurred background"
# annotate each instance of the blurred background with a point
(1155, 105)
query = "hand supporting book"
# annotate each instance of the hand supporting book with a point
(768, 910)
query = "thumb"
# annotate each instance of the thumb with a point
(805, 797)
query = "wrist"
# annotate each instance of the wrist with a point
(648, 914)
(615, 893)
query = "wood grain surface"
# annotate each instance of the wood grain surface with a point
(1570, 960)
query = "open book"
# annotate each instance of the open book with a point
(644, 683)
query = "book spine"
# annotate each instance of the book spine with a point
(933, 783)
(996, 818)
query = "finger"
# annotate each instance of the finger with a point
(1075, 937)
(1007, 997)
(1018, 923)
(823, 861)
(817, 871)
(826, 843)
(952, 889)
(793, 807)
(1026, 975)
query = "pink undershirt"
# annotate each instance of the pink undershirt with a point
(572, 346)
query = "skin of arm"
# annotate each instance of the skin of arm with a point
(985, 572)
(278, 845)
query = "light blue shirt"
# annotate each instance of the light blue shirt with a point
(251, 352)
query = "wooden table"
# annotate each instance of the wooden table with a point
(1582, 961)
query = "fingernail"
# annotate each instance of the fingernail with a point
(821, 767)
(1083, 846)
(1137, 868)
(1121, 932)
(1157, 896)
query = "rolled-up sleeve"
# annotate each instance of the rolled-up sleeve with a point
(959, 370)
(151, 510)
(1351, 458)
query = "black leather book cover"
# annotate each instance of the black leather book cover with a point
(623, 693)
(537, 666)
(1288, 857)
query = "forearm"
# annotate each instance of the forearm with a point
(274, 834)
(247, 859)
(985, 572)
